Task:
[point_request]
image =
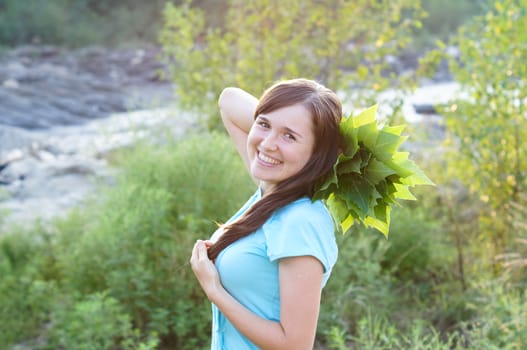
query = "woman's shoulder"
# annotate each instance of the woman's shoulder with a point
(305, 205)
(302, 227)
(304, 210)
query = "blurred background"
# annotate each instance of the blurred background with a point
(113, 162)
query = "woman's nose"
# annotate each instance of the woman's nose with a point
(269, 142)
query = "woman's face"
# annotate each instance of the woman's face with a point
(279, 144)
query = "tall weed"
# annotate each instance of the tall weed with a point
(500, 321)
(138, 240)
(358, 283)
(96, 322)
(25, 295)
(377, 333)
(413, 237)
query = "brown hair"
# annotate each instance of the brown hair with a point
(326, 111)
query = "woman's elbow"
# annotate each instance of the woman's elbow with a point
(226, 96)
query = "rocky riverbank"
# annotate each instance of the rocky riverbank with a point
(51, 171)
(62, 112)
(46, 86)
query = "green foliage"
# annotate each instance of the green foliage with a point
(76, 23)
(376, 333)
(410, 255)
(444, 17)
(487, 126)
(96, 322)
(37, 21)
(515, 260)
(262, 42)
(25, 296)
(137, 242)
(115, 271)
(370, 174)
(91, 22)
(500, 323)
(414, 270)
(358, 282)
(122, 259)
(199, 173)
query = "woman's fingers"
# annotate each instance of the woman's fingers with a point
(200, 248)
(194, 258)
(204, 268)
(199, 254)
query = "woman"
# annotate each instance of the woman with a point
(265, 268)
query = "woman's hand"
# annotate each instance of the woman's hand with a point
(204, 269)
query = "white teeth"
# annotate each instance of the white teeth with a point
(266, 159)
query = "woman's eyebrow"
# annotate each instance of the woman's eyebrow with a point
(287, 129)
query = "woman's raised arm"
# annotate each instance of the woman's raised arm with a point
(237, 112)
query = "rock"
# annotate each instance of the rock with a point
(424, 108)
(44, 86)
(12, 138)
(51, 171)
(10, 84)
(45, 188)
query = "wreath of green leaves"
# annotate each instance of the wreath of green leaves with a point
(370, 175)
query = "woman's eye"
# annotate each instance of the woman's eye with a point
(290, 137)
(263, 124)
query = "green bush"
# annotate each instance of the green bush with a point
(114, 274)
(377, 333)
(137, 241)
(77, 23)
(500, 322)
(96, 322)
(410, 271)
(358, 283)
(35, 21)
(25, 297)
(412, 239)
(341, 44)
(485, 124)
(444, 17)
(132, 243)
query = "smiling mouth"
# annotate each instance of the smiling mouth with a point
(268, 160)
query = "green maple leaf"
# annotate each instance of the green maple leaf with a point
(346, 165)
(367, 116)
(377, 171)
(370, 174)
(388, 142)
(367, 134)
(349, 134)
(357, 192)
(381, 219)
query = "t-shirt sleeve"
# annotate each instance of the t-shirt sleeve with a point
(303, 228)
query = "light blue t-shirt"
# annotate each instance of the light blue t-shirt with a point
(248, 268)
